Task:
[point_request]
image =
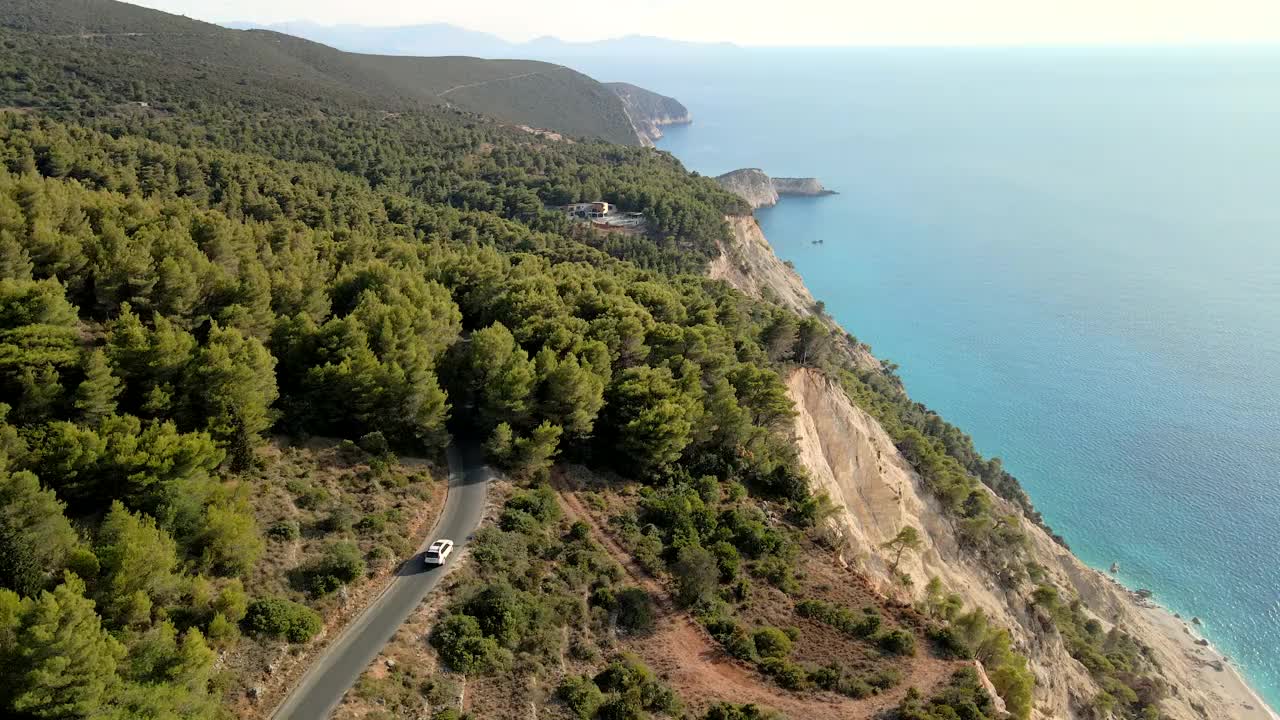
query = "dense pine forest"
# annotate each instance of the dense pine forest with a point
(203, 262)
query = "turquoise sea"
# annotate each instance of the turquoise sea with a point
(1074, 255)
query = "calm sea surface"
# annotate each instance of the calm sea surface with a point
(1074, 255)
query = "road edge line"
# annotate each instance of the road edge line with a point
(395, 574)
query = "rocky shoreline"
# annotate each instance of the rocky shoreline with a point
(1215, 667)
(877, 492)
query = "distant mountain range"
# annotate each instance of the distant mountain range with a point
(443, 39)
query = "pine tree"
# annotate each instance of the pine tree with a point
(96, 395)
(498, 377)
(35, 536)
(535, 452)
(39, 392)
(65, 661)
(15, 263)
(232, 386)
(138, 560)
(193, 665)
(571, 393)
(907, 539)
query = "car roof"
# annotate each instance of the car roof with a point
(440, 543)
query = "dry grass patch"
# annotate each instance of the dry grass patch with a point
(309, 499)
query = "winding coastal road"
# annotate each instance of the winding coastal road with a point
(340, 665)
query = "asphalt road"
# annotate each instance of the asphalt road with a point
(340, 665)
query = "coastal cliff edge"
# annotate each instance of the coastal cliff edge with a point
(876, 492)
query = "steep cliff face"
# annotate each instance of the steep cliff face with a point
(876, 491)
(649, 111)
(852, 459)
(752, 185)
(748, 263)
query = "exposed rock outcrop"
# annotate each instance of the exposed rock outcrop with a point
(760, 190)
(800, 186)
(649, 111)
(752, 185)
(749, 264)
(852, 458)
(877, 492)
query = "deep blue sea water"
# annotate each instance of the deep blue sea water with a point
(1073, 255)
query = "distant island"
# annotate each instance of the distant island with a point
(443, 39)
(760, 190)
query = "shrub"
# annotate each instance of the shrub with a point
(440, 690)
(727, 560)
(380, 556)
(305, 494)
(375, 444)
(645, 546)
(221, 631)
(503, 613)
(948, 643)
(582, 649)
(463, 647)
(884, 679)
(627, 673)
(696, 574)
(621, 707)
(277, 617)
(340, 520)
(843, 619)
(232, 601)
(375, 523)
(580, 695)
(728, 711)
(785, 673)
(284, 530)
(771, 642)
(856, 688)
(963, 697)
(342, 563)
(777, 571)
(540, 503)
(735, 638)
(604, 597)
(635, 610)
(827, 678)
(634, 681)
(897, 642)
(519, 521)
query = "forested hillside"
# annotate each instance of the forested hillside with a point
(140, 56)
(264, 251)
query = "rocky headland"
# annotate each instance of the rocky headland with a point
(759, 190)
(649, 111)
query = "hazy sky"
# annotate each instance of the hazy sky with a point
(794, 22)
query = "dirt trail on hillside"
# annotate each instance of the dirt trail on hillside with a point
(485, 82)
(684, 654)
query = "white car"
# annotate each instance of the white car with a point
(438, 552)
